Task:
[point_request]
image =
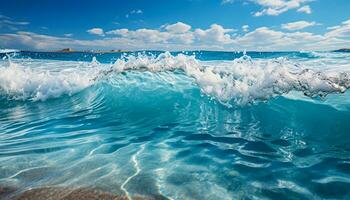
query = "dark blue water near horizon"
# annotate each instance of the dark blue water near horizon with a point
(201, 55)
(179, 125)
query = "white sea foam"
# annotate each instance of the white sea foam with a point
(20, 82)
(240, 81)
(8, 50)
(244, 80)
(325, 54)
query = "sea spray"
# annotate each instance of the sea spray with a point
(241, 81)
(19, 82)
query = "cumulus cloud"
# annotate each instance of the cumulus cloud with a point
(181, 36)
(143, 34)
(34, 41)
(178, 27)
(277, 7)
(179, 32)
(215, 34)
(260, 37)
(174, 34)
(96, 31)
(298, 25)
(266, 39)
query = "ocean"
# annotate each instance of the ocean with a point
(176, 125)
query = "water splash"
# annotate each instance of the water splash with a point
(18, 82)
(240, 81)
(243, 80)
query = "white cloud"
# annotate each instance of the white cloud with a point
(96, 31)
(341, 31)
(276, 7)
(143, 34)
(215, 34)
(333, 27)
(298, 25)
(227, 1)
(265, 39)
(174, 33)
(305, 9)
(178, 27)
(260, 36)
(181, 36)
(30, 41)
(245, 28)
(121, 32)
(68, 35)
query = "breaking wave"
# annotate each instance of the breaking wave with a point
(8, 50)
(241, 81)
(149, 125)
(18, 82)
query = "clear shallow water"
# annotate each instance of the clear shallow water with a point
(215, 125)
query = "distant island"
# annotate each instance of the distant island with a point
(70, 50)
(343, 50)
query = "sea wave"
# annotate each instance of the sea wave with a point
(18, 82)
(241, 81)
(8, 50)
(322, 54)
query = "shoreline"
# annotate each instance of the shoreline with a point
(67, 193)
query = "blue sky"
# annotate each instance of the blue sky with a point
(266, 25)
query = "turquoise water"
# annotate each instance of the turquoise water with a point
(182, 125)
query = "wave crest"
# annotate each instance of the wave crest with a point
(243, 80)
(21, 83)
(5, 51)
(240, 81)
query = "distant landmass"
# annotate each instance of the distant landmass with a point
(343, 50)
(70, 50)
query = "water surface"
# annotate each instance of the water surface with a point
(181, 125)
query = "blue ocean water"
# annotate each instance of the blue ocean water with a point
(180, 125)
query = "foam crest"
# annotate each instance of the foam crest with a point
(21, 83)
(8, 50)
(240, 81)
(243, 80)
